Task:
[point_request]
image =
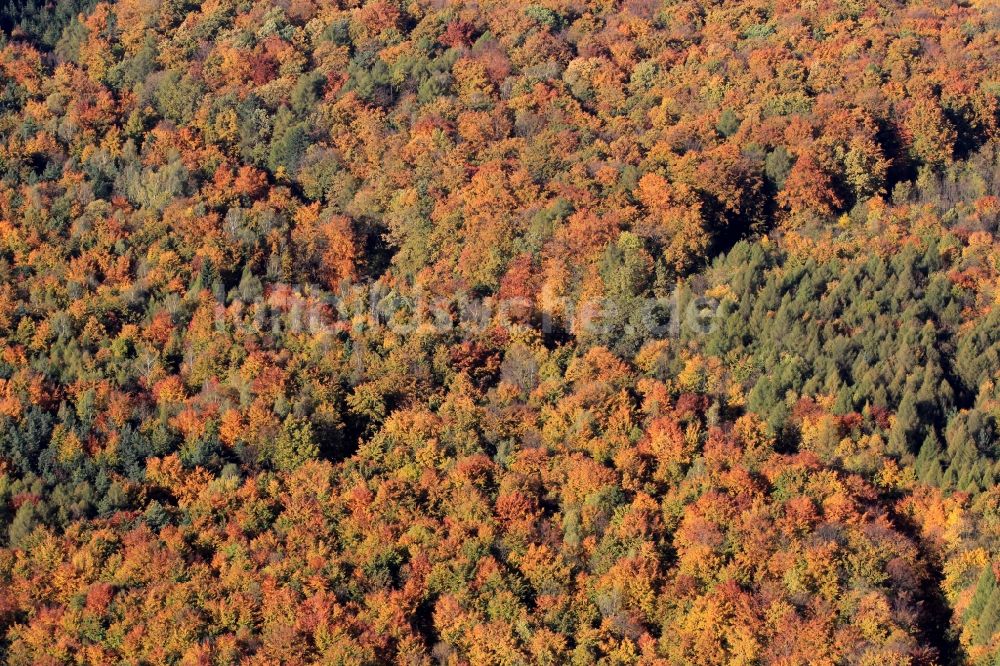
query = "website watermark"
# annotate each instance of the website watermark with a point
(282, 309)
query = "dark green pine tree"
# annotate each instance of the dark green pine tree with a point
(949, 479)
(985, 586)
(844, 403)
(905, 425)
(933, 475)
(927, 396)
(929, 457)
(968, 480)
(989, 619)
(989, 478)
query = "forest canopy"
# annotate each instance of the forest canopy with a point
(431, 331)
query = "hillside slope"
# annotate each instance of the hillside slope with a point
(499, 332)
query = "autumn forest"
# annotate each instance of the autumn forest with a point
(475, 332)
